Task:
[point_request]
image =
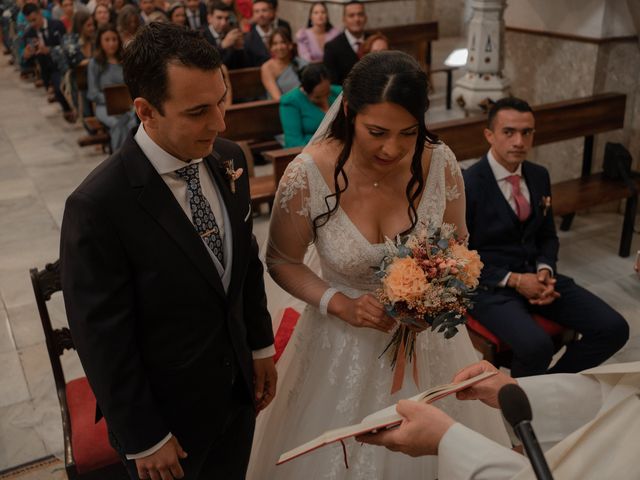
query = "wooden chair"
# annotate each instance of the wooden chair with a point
(499, 353)
(87, 452)
(117, 99)
(98, 134)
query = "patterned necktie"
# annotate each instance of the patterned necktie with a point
(523, 209)
(201, 213)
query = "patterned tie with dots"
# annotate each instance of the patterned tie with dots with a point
(201, 213)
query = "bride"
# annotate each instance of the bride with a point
(374, 172)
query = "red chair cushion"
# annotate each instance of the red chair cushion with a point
(89, 440)
(289, 319)
(550, 327)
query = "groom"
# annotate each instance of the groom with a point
(161, 277)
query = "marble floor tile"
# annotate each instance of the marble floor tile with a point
(19, 441)
(7, 342)
(15, 286)
(37, 370)
(14, 385)
(26, 325)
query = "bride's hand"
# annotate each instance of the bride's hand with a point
(364, 311)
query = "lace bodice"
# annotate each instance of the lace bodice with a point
(346, 256)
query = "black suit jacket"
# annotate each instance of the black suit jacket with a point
(281, 23)
(231, 57)
(339, 58)
(160, 341)
(504, 243)
(202, 10)
(53, 35)
(255, 48)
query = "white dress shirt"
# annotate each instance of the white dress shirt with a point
(355, 42)
(501, 174)
(166, 165)
(193, 18)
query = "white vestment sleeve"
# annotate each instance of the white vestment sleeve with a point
(464, 454)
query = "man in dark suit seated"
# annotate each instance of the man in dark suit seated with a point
(228, 39)
(196, 14)
(342, 53)
(256, 42)
(162, 282)
(41, 35)
(510, 222)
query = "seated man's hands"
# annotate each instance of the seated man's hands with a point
(164, 464)
(265, 380)
(538, 288)
(485, 390)
(419, 433)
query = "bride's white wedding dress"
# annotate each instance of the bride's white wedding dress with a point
(331, 373)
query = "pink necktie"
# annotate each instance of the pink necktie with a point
(523, 209)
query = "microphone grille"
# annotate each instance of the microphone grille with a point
(514, 404)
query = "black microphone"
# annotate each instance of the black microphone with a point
(517, 410)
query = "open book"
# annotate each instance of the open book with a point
(380, 420)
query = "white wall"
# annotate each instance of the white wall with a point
(586, 18)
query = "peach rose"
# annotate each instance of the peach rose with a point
(472, 265)
(405, 281)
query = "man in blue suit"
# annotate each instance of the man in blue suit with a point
(510, 223)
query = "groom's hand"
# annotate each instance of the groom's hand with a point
(163, 464)
(265, 380)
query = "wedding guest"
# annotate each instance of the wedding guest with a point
(147, 7)
(177, 14)
(302, 109)
(118, 4)
(101, 15)
(40, 38)
(375, 43)
(257, 39)
(129, 23)
(241, 14)
(281, 73)
(587, 424)
(511, 225)
(105, 68)
(158, 16)
(342, 53)
(68, 9)
(228, 40)
(196, 14)
(311, 40)
(277, 21)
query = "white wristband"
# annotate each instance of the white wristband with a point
(326, 298)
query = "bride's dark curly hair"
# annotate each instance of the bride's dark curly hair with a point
(390, 76)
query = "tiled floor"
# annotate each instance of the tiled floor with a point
(40, 164)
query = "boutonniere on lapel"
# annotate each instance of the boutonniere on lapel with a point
(545, 204)
(232, 174)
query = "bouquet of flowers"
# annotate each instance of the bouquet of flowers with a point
(427, 280)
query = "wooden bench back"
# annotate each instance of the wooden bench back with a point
(413, 39)
(557, 121)
(117, 99)
(253, 120)
(246, 83)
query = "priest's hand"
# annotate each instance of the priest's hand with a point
(164, 464)
(485, 390)
(264, 380)
(420, 432)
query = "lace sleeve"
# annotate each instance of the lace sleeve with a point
(454, 191)
(290, 235)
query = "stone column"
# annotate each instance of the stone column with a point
(483, 79)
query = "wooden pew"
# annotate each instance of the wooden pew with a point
(246, 84)
(557, 121)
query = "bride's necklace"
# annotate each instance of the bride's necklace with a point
(374, 182)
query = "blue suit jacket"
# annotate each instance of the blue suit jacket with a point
(504, 243)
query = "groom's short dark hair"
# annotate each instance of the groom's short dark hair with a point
(507, 103)
(153, 48)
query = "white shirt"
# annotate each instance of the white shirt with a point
(501, 174)
(194, 19)
(264, 35)
(216, 35)
(353, 41)
(166, 165)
